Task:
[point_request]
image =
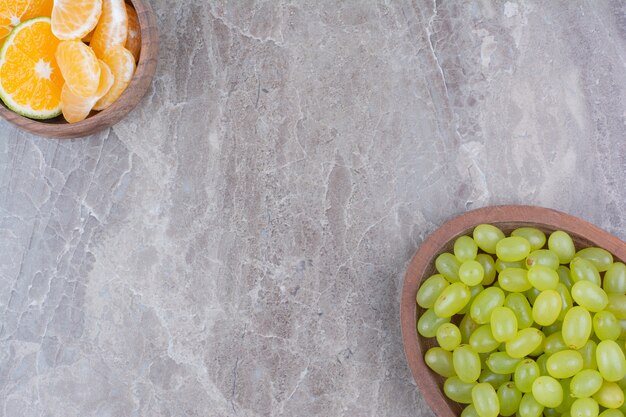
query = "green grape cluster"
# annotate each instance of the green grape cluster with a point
(527, 325)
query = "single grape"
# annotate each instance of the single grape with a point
(430, 290)
(493, 378)
(615, 279)
(611, 413)
(471, 272)
(487, 237)
(512, 249)
(520, 306)
(543, 277)
(600, 258)
(440, 361)
(466, 363)
(448, 336)
(588, 352)
(534, 236)
(525, 374)
(565, 276)
(485, 400)
(606, 326)
(541, 363)
(482, 340)
(465, 249)
(489, 267)
(611, 361)
(503, 324)
(532, 294)
(502, 363)
(583, 270)
(429, 322)
(554, 343)
(584, 407)
(564, 364)
(566, 300)
(547, 391)
(543, 257)
(585, 383)
(470, 411)
(576, 327)
(514, 280)
(526, 341)
(474, 291)
(467, 327)
(457, 390)
(547, 307)
(509, 398)
(529, 407)
(617, 305)
(452, 299)
(589, 296)
(561, 243)
(448, 266)
(485, 303)
(610, 395)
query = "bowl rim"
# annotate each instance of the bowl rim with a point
(130, 98)
(542, 217)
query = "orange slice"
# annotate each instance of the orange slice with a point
(133, 41)
(112, 29)
(77, 108)
(79, 67)
(74, 19)
(30, 80)
(14, 12)
(122, 64)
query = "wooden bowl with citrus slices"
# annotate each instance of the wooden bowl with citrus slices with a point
(71, 68)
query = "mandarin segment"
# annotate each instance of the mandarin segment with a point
(112, 29)
(77, 108)
(74, 19)
(122, 64)
(133, 41)
(79, 67)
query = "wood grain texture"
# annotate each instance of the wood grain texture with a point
(97, 121)
(421, 267)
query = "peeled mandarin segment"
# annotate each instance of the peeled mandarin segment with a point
(74, 19)
(133, 41)
(112, 29)
(122, 64)
(79, 67)
(106, 79)
(77, 108)
(30, 80)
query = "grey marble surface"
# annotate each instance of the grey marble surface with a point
(236, 246)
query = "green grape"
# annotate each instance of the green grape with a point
(547, 391)
(471, 272)
(554, 343)
(448, 336)
(440, 361)
(457, 390)
(611, 413)
(489, 267)
(551, 412)
(520, 306)
(576, 327)
(583, 270)
(429, 322)
(585, 383)
(501, 265)
(543, 277)
(482, 340)
(564, 364)
(534, 236)
(584, 407)
(589, 296)
(566, 300)
(503, 324)
(485, 400)
(561, 243)
(622, 325)
(509, 398)
(551, 329)
(588, 352)
(547, 307)
(474, 291)
(567, 397)
(512, 249)
(525, 342)
(529, 407)
(525, 374)
(539, 349)
(502, 363)
(541, 363)
(448, 266)
(430, 290)
(465, 249)
(543, 257)
(565, 276)
(514, 280)
(487, 236)
(600, 258)
(606, 326)
(532, 294)
(470, 411)
(611, 361)
(466, 363)
(493, 378)
(617, 305)
(467, 327)
(484, 303)
(452, 299)
(610, 395)
(615, 279)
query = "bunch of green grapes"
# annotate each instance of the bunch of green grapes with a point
(530, 331)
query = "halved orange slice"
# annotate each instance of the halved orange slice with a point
(30, 79)
(133, 41)
(14, 12)
(79, 67)
(112, 29)
(74, 19)
(122, 64)
(77, 108)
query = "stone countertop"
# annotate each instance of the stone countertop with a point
(236, 246)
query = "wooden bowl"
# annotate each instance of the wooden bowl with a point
(422, 266)
(97, 121)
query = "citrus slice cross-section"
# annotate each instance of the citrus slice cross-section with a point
(133, 41)
(74, 19)
(14, 12)
(30, 80)
(112, 29)
(77, 108)
(79, 67)
(122, 64)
